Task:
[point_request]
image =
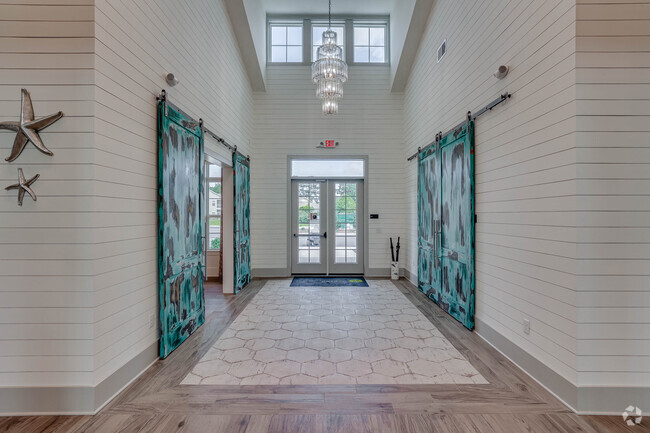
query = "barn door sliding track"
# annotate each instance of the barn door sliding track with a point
(470, 116)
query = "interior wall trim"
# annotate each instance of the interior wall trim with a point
(381, 272)
(583, 400)
(286, 273)
(271, 273)
(563, 389)
(75, 400)
(406, 273)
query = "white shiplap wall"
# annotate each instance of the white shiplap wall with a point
(526, 236)
(137, 43)
(46, 247)
(613, 208)
(289, 121)
(78, 267)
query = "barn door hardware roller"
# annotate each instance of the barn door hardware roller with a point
(470, 117)
(163, 98)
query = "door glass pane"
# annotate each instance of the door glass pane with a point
(309, 194)
(214, 211)
(346, 222)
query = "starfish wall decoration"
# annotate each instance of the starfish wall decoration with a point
(23, 186)
(27, 128)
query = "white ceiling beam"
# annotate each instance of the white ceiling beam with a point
(408, 22)
(248, 19)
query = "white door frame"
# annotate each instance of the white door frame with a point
(365, 216)
(217, 154)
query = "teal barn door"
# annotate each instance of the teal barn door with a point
(428, 221)
(180, 161)
(242, 184)
(446, 224)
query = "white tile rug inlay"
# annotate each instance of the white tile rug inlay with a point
(332, 335)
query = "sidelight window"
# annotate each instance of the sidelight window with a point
(214, 207)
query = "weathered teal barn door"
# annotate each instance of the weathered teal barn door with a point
(180, 160)
(429, 221)
(446, 220)
(242, 182)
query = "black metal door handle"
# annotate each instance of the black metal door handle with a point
(324, 235)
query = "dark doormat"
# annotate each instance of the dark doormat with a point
(329, 282)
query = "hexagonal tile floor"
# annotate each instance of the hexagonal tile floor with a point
(332, 335)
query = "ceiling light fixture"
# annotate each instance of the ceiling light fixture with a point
(329, 71)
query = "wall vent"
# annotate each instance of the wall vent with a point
(442, 50)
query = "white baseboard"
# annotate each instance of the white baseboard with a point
(75, 400)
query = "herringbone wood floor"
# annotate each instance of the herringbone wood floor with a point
(512, 402)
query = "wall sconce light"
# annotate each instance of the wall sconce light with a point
(502, 72)
(171, 79)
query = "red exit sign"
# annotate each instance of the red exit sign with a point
(328, 144)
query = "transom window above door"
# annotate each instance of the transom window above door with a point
(328, 168)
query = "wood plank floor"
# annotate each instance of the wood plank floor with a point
(512, 402)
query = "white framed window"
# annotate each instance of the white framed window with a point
(317, 29)
(295, 40)
(285, 42)
(214, 207)
(370, 42)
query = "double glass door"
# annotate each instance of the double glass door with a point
(327, 227)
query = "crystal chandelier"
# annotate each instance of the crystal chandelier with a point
(329, 71)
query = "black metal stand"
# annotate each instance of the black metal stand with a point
(470, 116)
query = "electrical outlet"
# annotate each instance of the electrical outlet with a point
(526, 326)
(151, 320)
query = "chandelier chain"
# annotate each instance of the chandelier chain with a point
(330, 14)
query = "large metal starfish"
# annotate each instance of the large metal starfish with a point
(28, 127)
(23, 186)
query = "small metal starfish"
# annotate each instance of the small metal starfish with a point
(23, 186)
(28, 127)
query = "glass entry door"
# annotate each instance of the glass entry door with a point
(309, 232)
(327, 230)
